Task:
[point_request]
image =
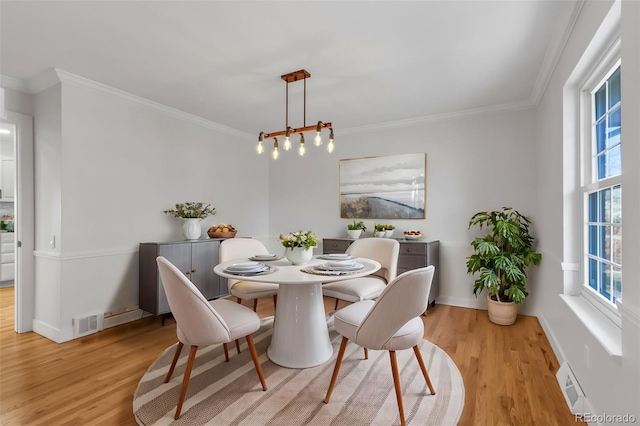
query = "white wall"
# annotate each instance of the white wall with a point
(117, 163)
(474, 163)
(610, 383)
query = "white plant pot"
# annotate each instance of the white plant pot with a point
(354, 233)
(298, 255)
(191, 228)
(379, 234)
(388, 233)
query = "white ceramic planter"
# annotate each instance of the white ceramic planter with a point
(191, 228)
(299, 255)
(379, 234)
(388, 233)
(354, 233)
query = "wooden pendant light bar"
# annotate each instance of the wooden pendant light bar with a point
(295, 76)
(293, 131)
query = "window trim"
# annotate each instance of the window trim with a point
(604, 68)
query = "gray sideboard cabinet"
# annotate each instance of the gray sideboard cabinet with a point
(413, 255)
(195, 258)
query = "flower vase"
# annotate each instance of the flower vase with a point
(191, 228)
(299, 255)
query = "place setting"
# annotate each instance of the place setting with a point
(336, 257)
(266, 257)
(338, 267)
(248, 269)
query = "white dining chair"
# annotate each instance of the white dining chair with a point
(237, 248)
(393, 322)
(203, 323)
(385, 251)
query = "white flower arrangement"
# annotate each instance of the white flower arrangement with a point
(304, 239)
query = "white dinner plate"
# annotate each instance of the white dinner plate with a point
(265, 256)
(336, 256)
(244, 265)
(353, 267)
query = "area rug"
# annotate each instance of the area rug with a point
(229, 393)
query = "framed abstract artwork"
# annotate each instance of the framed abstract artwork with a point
(391, 187)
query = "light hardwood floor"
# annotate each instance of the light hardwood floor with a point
(508, 372)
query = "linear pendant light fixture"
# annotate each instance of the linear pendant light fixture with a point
(290, 78)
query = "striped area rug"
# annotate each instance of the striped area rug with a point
(229, 393)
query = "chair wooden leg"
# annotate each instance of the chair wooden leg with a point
(173, 363)
(335, 308)
(239, 300)
(275, 301)
(255, 304)
(226, 352)
(366, 353)
(256, 361)
(416, 351)
(185, 380)
(396, 383)
(336, 369)
(238, 346)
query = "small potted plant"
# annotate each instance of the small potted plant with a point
(378, 230)
(388, 230)
(355, 229)
(299, 246)
(191, 213)
(500, 258)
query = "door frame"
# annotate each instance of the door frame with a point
(24, 222)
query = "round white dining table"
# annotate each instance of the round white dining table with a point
(300, 334)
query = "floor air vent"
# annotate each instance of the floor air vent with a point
(84, 326)
(571, 390)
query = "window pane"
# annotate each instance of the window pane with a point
(616, 204)
(617, 284)
(614, 88)
(617, 244)
(605, 280)
(613, 131)
(601, 136)
(601, 101)
(593, 207)
(593, 274)
(614, 163)
(604, 205)
(604, 243)
(593, 240)
(602, 165)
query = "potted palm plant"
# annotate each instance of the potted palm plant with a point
(500, 258)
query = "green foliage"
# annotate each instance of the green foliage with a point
(379, 227)
(305, 239)
(356, 225)
(501, 257)
(192, 210)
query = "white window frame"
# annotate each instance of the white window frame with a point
(589, 182)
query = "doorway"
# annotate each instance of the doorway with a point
(17, 242)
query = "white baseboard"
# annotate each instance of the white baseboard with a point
(52, 333)
(555, 345)
(463, 302)
(123, 318)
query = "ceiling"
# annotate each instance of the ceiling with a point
(371, 62)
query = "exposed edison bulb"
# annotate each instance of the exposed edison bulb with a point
(318, 140)
(287, 143)
(301, 150)
(275, 150)
(260, 148)
(330, 144)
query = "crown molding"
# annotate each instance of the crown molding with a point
(560, 37)
(13, 83)
(493, 109)
(54, 76)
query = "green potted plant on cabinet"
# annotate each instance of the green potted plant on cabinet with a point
(355, 229)
(500, 258)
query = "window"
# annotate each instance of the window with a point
(602, 188)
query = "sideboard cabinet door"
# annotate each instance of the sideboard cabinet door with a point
(196, 259)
